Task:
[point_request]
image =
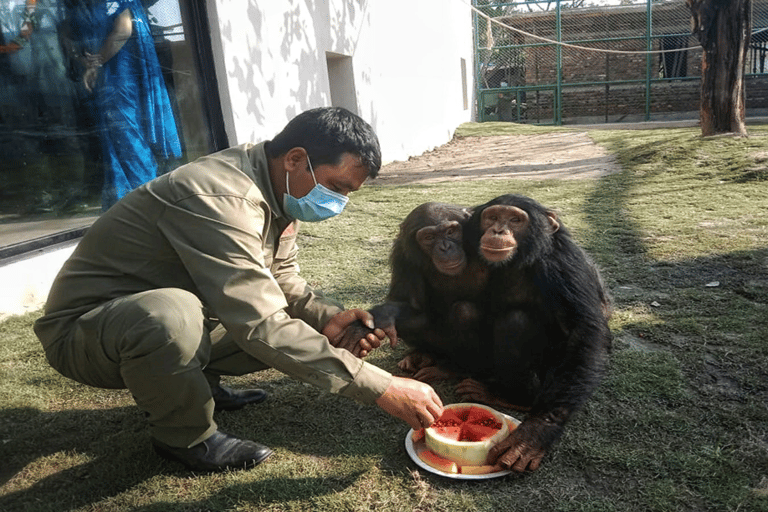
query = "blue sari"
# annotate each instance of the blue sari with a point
(136, 122)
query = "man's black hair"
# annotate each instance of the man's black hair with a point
(326, 133)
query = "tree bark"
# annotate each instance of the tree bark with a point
(723, 28)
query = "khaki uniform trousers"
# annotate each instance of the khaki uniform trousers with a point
(160, 345)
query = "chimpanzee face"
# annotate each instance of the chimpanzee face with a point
(509, 231)
(503, 226)
(443, 245)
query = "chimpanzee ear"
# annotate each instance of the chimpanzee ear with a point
(554, 225)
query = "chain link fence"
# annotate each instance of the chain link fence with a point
(565, 62)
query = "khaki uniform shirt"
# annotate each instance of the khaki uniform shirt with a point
(215, 228)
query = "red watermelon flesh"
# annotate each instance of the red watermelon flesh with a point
(480, 416)
(470, 424)
(453, 433)
(448, 419)
(474, 433)
(438, 462)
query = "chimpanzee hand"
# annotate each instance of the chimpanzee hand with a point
(384, 316)
(354, 331)
(527, 445)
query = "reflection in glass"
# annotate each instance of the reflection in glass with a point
(112, 46)
(60, 143)
(40, 164)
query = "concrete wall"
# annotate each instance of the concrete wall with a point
(396, 63)
(26, 281)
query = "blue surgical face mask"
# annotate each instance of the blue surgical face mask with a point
(319, 204)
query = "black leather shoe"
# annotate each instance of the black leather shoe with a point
(219, 452)
(228, 399)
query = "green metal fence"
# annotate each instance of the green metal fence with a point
(561, 62)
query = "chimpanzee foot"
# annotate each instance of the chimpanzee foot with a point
(415, 361)
(471, 390)
(433, 374)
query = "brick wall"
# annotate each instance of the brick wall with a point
(620, 101)
(618, 29)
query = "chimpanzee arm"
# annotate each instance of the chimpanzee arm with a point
(578, 364)
(573, 379)
(406, 291)
(574, 369)
(565, 389)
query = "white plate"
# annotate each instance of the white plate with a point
(413, 453)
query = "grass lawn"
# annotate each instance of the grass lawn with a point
(680, 423)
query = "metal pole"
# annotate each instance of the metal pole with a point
(648, 59)
(479, 114)
(559, 52)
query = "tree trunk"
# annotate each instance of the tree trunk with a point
(723, 28)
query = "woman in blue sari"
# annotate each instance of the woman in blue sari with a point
(113, 42)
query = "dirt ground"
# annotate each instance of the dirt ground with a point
(551, 155)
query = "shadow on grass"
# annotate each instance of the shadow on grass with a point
(75, 458)
(703, 317)
(302, 419)
(261, 493)
(86, 454)
(607, 214)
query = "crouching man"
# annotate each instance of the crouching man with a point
(194, 275)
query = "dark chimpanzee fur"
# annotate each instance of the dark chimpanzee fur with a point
(433, 287)
(548, 311)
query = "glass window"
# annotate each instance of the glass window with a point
(96, 98)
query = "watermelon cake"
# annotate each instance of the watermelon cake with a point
(465, 433)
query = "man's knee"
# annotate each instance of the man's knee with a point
(168, 321)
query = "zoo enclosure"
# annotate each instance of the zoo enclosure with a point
(558, 62)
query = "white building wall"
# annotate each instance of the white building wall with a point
(405, 60)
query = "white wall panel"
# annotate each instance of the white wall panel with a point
(406, 59)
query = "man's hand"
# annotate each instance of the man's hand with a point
(354, 331)
(412, 401)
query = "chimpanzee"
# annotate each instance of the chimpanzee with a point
(522, 309)
(548, 311)
(432, 288)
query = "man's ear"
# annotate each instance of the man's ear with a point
(295, 159)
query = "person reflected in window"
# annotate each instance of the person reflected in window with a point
(112, 42)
